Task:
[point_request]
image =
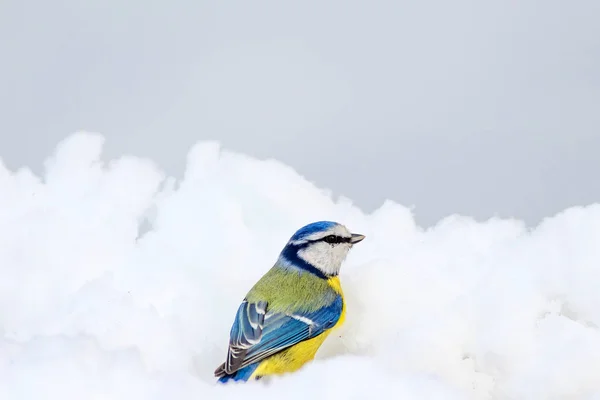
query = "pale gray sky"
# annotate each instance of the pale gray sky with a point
(474, 107)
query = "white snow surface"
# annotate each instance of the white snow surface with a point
(92, 307)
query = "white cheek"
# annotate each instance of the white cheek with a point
(325, 257)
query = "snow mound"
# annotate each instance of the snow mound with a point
(119, 282)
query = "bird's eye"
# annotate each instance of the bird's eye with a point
(331, 239)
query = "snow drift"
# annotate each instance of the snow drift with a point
(119, 282)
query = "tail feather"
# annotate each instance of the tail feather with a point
(240, 375)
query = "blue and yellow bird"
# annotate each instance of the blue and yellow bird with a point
(290, 311)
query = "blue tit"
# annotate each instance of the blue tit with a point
(290, 311)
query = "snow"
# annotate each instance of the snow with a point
(93, 307)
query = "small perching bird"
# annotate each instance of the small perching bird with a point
(290, 311)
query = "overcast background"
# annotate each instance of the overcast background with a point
(480, 108)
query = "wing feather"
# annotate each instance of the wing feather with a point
(258, 333)
(245, 332)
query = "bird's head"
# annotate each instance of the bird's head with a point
(320, 247)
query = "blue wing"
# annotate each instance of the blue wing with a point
(245, 332)
(256, 334)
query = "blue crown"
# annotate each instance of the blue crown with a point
(309, 229)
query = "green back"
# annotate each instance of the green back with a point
(289, 290)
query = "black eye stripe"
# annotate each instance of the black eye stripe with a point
(330, 239)
(333, 239)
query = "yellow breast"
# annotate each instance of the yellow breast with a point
(293, 358)
(337, 286)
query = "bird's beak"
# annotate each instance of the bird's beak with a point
(356, 237)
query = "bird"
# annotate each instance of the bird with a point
(290, 311)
